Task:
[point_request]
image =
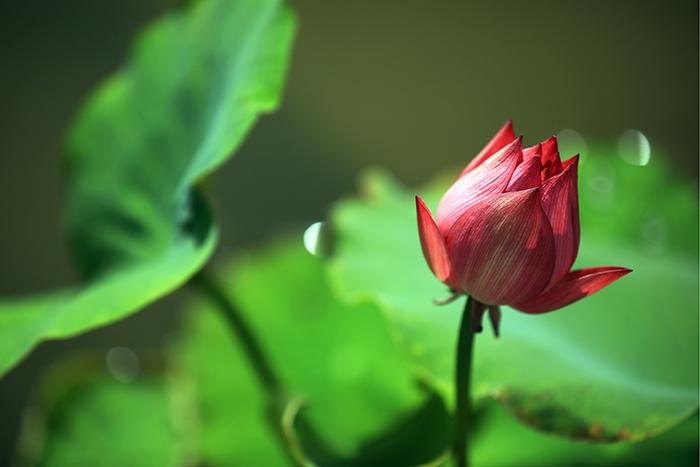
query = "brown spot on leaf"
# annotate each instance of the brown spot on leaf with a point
(595, 431)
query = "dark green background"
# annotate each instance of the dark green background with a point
(416, 86)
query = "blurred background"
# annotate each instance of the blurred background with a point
(415, 86)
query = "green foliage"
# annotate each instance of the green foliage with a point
(503, 442)
(25, 322)
(208, 408)
(195, 85)
(604, 369)
(193, 88)
(646, 208)
(85, 417)
(340, 360)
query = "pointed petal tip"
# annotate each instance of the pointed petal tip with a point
(572, 161)
(432, 243)
(516, 144)
(573, 287)
(550, 143)
(533, 151)
(502, 138)
(535, 190)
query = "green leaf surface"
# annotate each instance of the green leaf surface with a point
(84, 417)
(621, 364)
(26, 322)
(193, 88)
(341, 360)
(502, 442)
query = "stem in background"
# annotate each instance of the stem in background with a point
(261, 366)
(463, 409)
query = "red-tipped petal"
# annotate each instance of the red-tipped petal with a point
(568, 162)
(431, 242)
(501, 249)
(550, 158)
(526, 175)
(560, 203)
(572, 287)
(488, 179)
(503, 137)
(557, 166)
(532, 151)
(550, 149)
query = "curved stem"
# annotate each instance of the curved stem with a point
(262, 368)
(463, 409)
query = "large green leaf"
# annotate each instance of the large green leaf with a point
(83, 416)
(341, 360)
(195, 85)
(621, 364)
(502, 442)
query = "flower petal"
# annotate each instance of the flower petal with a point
(488, 179)
(572, 287)
(550, 150)
(551, 163)
(560, 203)
(431, 241)
(568, 162)
(503, 137)
(501, 249)
(532, 151)
(526, 175)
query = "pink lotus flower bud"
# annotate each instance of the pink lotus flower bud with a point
(507, 231)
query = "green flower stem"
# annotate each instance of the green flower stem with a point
(281, 406)
(262, 368)
(463, 409)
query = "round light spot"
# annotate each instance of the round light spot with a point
(312, 237)
(600, 183)
(654, 233)
(634, 147)
(123, 364)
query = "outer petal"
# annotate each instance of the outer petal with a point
(526, 175)
(501, 249)
(560, 203)
(431, 241)
(572, 287)
(503, 137)
(488, 179)
(568, 162)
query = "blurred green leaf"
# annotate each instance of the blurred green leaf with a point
(341, 360)
(26, 322)
(502, 442)
(621, 364)
(194, 87)
(649, 209)
(192, 90)
(84, 417)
